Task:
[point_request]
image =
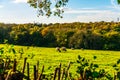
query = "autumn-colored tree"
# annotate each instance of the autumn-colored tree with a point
(97, 35)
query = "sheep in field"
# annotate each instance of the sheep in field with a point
(72, 48)
(63, 49)
(58, 49)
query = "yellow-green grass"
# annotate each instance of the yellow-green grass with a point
(50, 58)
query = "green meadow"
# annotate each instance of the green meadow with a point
(50, 58)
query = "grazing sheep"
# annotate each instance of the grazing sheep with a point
(82, 49)
(63, 49)
(72, 48)
(58, 49)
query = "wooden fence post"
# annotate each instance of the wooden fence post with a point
(1, 77)
(7, 63)
(68, 66)
(55, 74)
(59, 72)
(14, 65)
(28, 73)
(40, 76)
(1, 69)
(37, 68)
(24, 65)
(67, 71)
(35, 72)
(63, 73)
(115, 76)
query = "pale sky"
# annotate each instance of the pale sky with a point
(19, 11)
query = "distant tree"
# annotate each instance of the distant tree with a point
(61, 38)
(98, 35)
(49, 39)
(112, 40)
(36, 38)
(19, 35)
(78, 40)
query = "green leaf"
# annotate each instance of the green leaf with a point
(118, 75)
(94, 57)
(78, 61)
(96, 65)
(1, 52)
(114, 65)
(1, 71)
(109, 77)
(83, 59)
(95, 74)
(86, 64)
(13, 50)
(118, 61)
(118, 1)
(79, 57)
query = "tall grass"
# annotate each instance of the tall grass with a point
(50, 58)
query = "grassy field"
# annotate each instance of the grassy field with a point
(50, 58)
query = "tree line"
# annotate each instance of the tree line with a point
(98, 35)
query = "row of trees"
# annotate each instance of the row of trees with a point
(98, 35)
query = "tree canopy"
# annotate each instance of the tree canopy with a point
(45, 7)
(98, 35)
(118, 1)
